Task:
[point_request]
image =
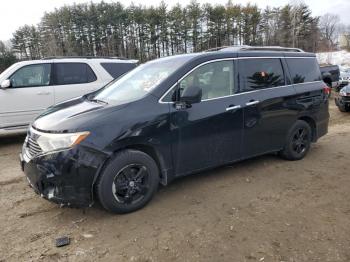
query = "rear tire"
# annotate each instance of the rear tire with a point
(344, 108)
(128, 182)
(298, 141)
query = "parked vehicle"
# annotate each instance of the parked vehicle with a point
(344, 78)
(29, 87)
(172, 117)
(330, 74)
(342, 99)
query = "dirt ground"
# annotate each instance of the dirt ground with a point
(263, 209)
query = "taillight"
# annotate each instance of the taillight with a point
(327, 90)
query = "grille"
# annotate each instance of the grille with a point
(33, 147)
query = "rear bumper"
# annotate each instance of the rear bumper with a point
(322, 128)
(64, 177)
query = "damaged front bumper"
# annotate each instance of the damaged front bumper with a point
(64, 177)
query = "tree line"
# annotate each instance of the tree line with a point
(111, 29)
(144, 33)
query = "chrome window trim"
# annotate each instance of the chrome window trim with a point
(228, 59)
(248, 92)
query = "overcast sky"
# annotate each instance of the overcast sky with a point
(15, 13)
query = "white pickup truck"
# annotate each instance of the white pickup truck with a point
(27, 88)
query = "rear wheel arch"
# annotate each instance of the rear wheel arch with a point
(298, 141)
(312, 123)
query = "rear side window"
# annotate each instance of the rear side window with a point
(117, 69)
(261, 73)
(73, 73)
(304, 70)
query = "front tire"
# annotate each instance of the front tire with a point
(298, 141)
(344, 108)
(128, 182)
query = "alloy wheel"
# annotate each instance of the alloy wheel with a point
(130, 185)
(300, 140)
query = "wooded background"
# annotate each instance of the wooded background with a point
(144, 33)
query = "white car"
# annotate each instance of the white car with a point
(344, 78)
(29, 87)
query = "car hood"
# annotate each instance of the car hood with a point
(73, 116)
(343, 73)
(346, 89)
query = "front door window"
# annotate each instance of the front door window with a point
(32, 75)
(215, 79)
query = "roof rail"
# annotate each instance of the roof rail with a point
(272, 48)
(86, 57)
(217, 48)
(255, 48)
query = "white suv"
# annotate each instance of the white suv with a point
(29, 87)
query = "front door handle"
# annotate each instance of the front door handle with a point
(252, 103)
(233, 107)
(42, 93)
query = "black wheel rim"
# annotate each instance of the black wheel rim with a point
(300, 140)
(130, 185)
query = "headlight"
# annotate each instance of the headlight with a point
(50, 142)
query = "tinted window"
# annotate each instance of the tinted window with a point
(73, 73)
(304, 70)
(117, 69)
(215, 79)
(261, 73)
(32, 75)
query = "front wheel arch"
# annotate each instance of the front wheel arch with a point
(117, 162)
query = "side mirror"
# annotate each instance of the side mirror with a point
(191, 95)
(5, 84)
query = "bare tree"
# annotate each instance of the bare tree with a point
(329, 26)
(344, 36)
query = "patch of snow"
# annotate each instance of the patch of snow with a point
(340, 58)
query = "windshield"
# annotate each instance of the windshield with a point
(140, 81)
(2, 75)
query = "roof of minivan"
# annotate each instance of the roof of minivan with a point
(261, 53)
(241, 53)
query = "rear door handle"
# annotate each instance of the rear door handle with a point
(252, 103)
(233, 107)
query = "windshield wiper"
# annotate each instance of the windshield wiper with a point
(97, 101)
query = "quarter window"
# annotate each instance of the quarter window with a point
(32, 75)
(261, 73)
(216, 79)
(304, 70)
(73, 73)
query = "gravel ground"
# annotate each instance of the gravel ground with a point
(263, 209)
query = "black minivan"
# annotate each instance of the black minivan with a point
(172, 117)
